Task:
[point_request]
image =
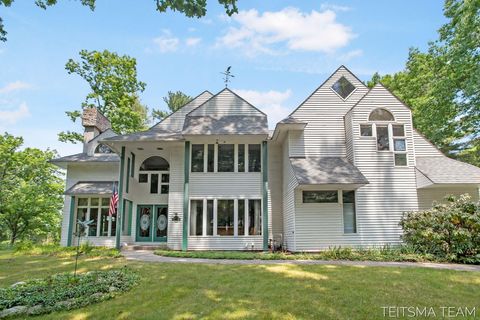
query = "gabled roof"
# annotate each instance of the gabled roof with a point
(326, 170)
(443, 170)
(91, 187)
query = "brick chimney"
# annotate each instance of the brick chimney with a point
(94, 123)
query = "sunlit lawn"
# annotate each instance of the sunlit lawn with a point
(194, 291)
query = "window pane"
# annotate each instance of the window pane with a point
(154, 163)
(320, 196)
(254, 158)
(398, 130)
(143, 178)
(225, 158)
(82, 201)
(254, 217)
(165, 178)
(105, 202)
(349, 225)
(241, 158)
(399, 145)
(382, 138)
(114, 225)
(400, 159)
(82, 216)
(164, 189)
(92, 228)
(348, 196)
(197, 157)
(381, 115)
(104, 218)
(343, 87)
(366, 130)
(196, 217)
(154, 183)
(94, 202)
(209, 217)
(225, 216)
(211, 158)
(241, 217)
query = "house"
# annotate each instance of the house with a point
(340, 170)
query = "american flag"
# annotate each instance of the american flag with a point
(113, 201)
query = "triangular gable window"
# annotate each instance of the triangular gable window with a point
(343, 87)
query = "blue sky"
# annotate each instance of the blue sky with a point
(280, 51)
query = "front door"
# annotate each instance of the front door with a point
(160, 224)
(152, 223)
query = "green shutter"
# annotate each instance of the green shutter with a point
(70, 221)
(185, 195)
(120, 200)
(265, 194)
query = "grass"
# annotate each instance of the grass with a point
(375, 254)
(56, 250)
(210, 291)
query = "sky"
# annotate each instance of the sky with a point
(280, 52)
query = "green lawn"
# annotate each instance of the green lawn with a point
(195, 291)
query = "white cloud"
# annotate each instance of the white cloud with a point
(273, 32)
(12, 116)
(191, 42)
(166, 42)
(350, 55)
(334, 7)
(14, 86)
(271, 102)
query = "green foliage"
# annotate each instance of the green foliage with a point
(30, 191)
(190, 8)
(174, 101)
(442, 85)
(65, 292)
(114, 91)
(448, 231)
(86, 249)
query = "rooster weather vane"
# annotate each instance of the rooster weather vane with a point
(227, 76)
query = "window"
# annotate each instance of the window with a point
(366, 130)
(381, 115)
(225, 218)
(154, 183)
(343, 87)
(211, 158)
(157, 179)
(164, 187)
(154, 163)
(96, 209)
(398, 130)
(399, 145)
(143, 178)
(254, 158)
(197, 157)
(254, 217)
(102, 148)
(225, 158)
(241, 158)
(383, 140)
(400, 159)
(320, 196)
(241, 217)
(210, 218)
(349, 215)
(196, 217)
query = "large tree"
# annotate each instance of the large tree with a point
(191, 8)
(442, 85)
(174, 101)
(30, 191)
(114, 91)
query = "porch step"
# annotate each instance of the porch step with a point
(145, 247)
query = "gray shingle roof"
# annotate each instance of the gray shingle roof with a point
(149, 135)
(291, 120)
(326, 170)
(443, 170)
(83, 157)
(91, 187)
(235, 124)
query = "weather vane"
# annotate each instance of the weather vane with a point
(227, 75)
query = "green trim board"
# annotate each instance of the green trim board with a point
(186, 170)
(127, 181)
(132, 169)
(130, 217)
(120, 200)
(70, 221)
(265, 194)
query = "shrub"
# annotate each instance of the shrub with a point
(449, 231)
(65, 292)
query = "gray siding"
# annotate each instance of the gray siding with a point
(289, 185)
(423, 147)
(426, 197)
(349, 137)
(275, 189)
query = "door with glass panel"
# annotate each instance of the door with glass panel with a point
(160, 223)
(144, 223)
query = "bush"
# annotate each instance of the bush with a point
(65, 292)
(448, 231)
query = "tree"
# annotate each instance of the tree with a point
(174, 101)
(190, 8)
(30, 191)
(442, 85)
(114, 91)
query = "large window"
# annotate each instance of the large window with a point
(225, 217)
(226, 156)
(254, 158)
(149, 173)
(343, 87)
(349, 216)
(96, 209)
(320, 196)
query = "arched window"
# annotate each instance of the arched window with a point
(101, 148)
(381, 115)
(155, 163)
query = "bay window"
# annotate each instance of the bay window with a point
(96, 209)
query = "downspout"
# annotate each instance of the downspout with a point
(120, 201)
(186, 170)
